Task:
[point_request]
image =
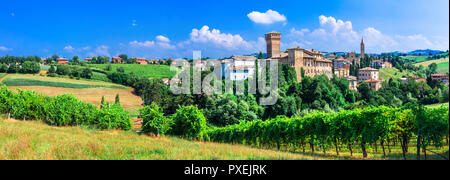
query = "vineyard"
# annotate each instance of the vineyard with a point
(350, 130)
(63, 110)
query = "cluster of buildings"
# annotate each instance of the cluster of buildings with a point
(309, 62)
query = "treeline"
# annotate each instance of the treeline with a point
(368, 127)
(27, 67)
(18, 60)
(396, 93)
(63, 110)
(72, 71)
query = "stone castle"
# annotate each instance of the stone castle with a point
(312, 62)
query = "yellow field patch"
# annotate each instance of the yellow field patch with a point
(57, 79)
(427, 63)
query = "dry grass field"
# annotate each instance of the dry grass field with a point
(128, 100)
(36, 140)
(427, 63)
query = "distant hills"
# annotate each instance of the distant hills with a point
(419, 52)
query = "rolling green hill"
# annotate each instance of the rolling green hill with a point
(147, 70)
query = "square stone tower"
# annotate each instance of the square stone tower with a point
(273, 40)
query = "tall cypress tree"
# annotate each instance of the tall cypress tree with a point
(117, 99)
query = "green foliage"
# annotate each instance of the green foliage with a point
(113, 117)
(142, 71)
(30, 67)
(63, 110)
(227, 110)
(3, 68)
(13, 68)
(154, 120)
(52, 69)
(190, 123)
(363, 126)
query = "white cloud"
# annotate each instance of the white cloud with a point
(69, 48)
(3, 48)
(268, 17)
(102, 51)
(142, 44)
(215, 37)
(162, 38)
(161, 41)
(339, 35)
(134, 23)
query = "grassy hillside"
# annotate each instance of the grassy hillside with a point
(419, 59)
(35, 140)
(427, 63)
(35, 82)
(437, 105)
(88, 91)
(443, 67)
(388, 73)
(148, 70)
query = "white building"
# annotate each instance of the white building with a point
(238, 67)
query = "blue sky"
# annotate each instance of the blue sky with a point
(165, 28)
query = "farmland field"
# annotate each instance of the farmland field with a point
(419, 59)
(437, 105)
(388, 73)
(148, 70)
(88, 91)
(443, 67)
(36, 140)
(35, 82)
(427, 63)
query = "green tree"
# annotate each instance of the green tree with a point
(13, 68)
(30, 67)
(154, 120)
(190, 123)
(52, 69)
(117, 101)
(3, 68)
(76, 60)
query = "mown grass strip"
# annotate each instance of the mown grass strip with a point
(34, 82)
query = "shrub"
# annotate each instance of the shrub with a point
(113, 117)
(190, 122)
(154, 120)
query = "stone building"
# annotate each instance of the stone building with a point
(238, 67)
(371, 76)
(363, 49)
(368, 73)
(351, 57)
(273, 40)
(342, 71)
(381, 64)
(312, 62)
(353, 82)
